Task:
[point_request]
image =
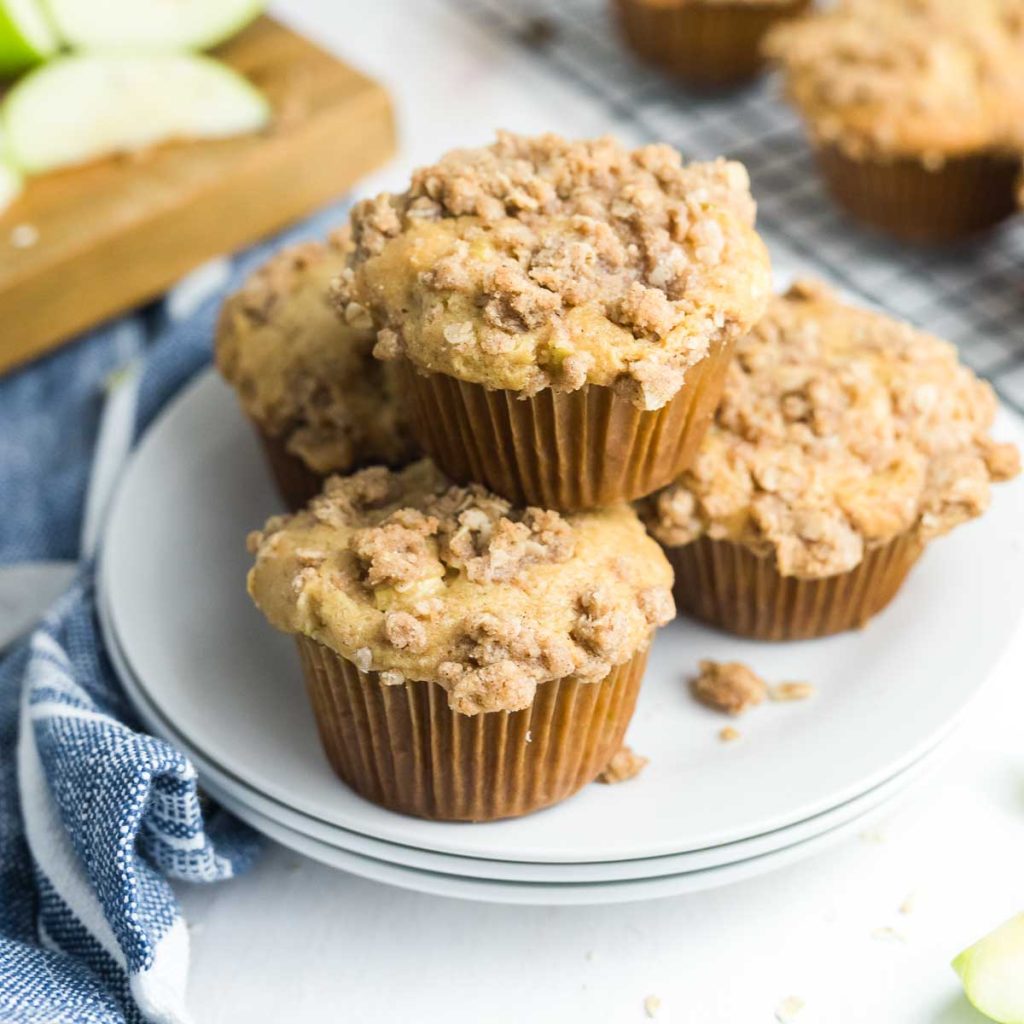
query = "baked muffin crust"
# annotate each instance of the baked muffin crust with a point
(839, 429)
(302, 374)
(538, 262)
(926, 79)
(410, 576)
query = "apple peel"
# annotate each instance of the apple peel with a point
(992, 973)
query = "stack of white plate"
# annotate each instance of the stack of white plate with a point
(206, 672)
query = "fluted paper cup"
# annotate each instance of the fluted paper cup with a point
(566, 451)
(905, 199)
(728, 586)
(707, 45)
(403, 748)
(296, 482)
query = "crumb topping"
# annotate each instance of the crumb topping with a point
(839, 430)
(728, 686)
(538, 263)
(922, 78)
(624, 765)
(410, 576)
(304, 375)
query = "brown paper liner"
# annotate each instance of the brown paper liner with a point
(726, 585)
(908, 201)
(580, 450)
(296, 482)
(402, 747)
(707, 45)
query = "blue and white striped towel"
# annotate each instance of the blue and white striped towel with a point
(96, 817)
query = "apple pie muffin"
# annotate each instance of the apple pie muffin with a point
(466, 660)
(845, 442)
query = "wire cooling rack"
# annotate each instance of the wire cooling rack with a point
(972, 294)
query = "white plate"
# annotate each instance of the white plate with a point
(223, 786)
(173, 572)
(538, 894)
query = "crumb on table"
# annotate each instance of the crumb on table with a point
(729, 734)
(651, 1006)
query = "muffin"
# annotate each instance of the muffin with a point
(465, 660)
(708, 44)
(845, 442)
(319, 401)
(561, 313)
(916, 109)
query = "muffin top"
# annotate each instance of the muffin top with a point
(839, 429)
(303, 375)
(928, 79)
(540, 263)
(413, 577)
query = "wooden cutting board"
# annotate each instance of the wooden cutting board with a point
(118, 232)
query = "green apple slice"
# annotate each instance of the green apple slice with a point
(85, 106)
(10, 184)
(150, 24)
(992, 972)
(10, 179)
(26, 37)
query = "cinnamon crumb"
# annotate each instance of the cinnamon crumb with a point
(728, 734)
(624, 765)
(728, 686)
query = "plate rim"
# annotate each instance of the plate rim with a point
(242, 794)
(391, 825)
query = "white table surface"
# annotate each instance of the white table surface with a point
(296, 941)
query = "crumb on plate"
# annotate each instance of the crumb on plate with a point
(728, 686)
(624, 765)
(791, 691)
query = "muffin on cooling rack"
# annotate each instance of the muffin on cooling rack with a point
(319, 401)
(562, 312)
(916, 109)
(844, 443)
(466, 660)
(708, 44)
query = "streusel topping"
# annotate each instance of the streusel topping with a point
(839, 429)
(540, 263)
(302, 374)
(410, 576)
(928, 79)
